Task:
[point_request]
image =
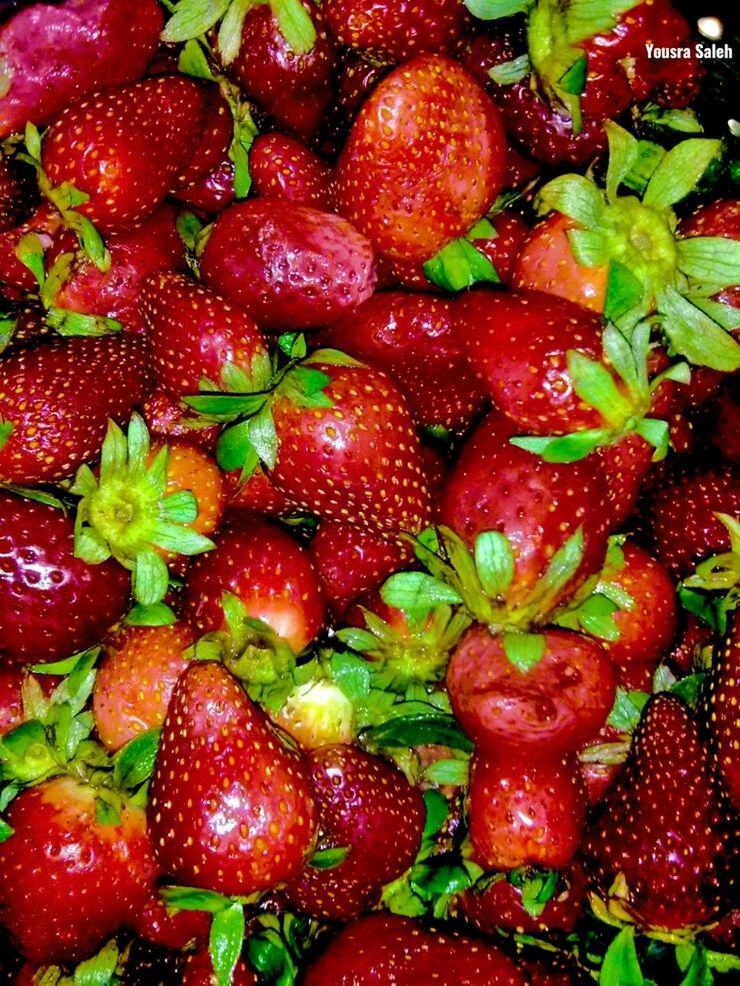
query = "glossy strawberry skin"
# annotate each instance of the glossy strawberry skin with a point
(557, 705)
(59, 397)
(11, 703)
(368, 806)
(432, 112)
(720, 704)
(56, 53)
(412, 337)
(374, 948)
(357, 461)
(153, 921)
(290, 268)
(268, 570)
(11, 195)
(281, 167)
(503, 248)
(168, 418)
(59, 866)
(51, 603)
(138, 138)
(230, 807)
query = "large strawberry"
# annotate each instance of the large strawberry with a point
(56, 399)
(431, 112)
(230, 807)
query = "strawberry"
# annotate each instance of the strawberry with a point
(53, 408)
(725, 430)
(719, 705)
(45, 222)
(54, 54)
(374, 948)
(135, 680)
(198, 971)
(655, 850)
(41, 577)
(412, 338)
(257, 492)
(139, 136)
(215, 140)
(59, 866)
(503, 245)
(432, 112)
(626, 463)
(192, 470)
(557, 704)
(393, 31)
(11, 195)
(195, 335)
(11, 702)
(230, 807)
(153, 921)
(281, 167)
(525, 811)
(214, 192)
(166, 417)
(370, 815)
(289, 268)
(267, 570)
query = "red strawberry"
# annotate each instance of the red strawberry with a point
(375, 948)
(45, 222)
(11, 195)
(51, 603)
(431, 112)
(214, 192)
(720, 707)
(134, 682)
(198, 971)
(153, 921)
(396, 31)
(267, 570)
(524, 811)
(230, 807)
(725, 429)
(123, 147)
(166, 418)
(501, 249)
(626, 463)
(58, 398)
(215, 139)
(367, 807)
(290, 268)
(11, 702)
(53, 54)
(655, 850)
(257, 492)
(281, 167)
(195, 335)
(59, 866)
(556, 705)
(412, 338)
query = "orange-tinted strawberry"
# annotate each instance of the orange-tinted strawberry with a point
(190, 468)
(281, 167)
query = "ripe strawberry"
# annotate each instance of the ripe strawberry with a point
(58, 397)
(281, 167)
(45, 222)
(138, 137)
(626, 463)
(134, 682)
(393, 31)
(230, 807)
(54, 54)
(267, 570)
(153, 921)
(198, 971)
(432, 112)
(720, 705)
(556, 705)
(289, 268)
(257, 493)
(501, 249)
(213, 193)
(59, 866)
(215, 139)
(524, 811)
(374, 948)
(11, 702)
(11, 195)
(52, 604)
(655, 850)
(682, 521)
(412, 338)
(365, 806)
(195, 335)
(166, 418)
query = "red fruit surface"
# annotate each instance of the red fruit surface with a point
(11, 195)
(53, 54)
(282, 167)
(45, 222)
(290, 268)
(167, 418)
(11, 703)
(720, 703)
(555, 706)
(59, 397)
(626, 463)
(214, 192)
(215, 138)
(153, 921)
(431, 112)
(51, 603)
(503, 248)
(230, 806)
(257, 492)
(198, 971)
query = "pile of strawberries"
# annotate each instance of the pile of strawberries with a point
(369, 496)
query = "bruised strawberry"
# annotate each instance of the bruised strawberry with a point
(289, 268)
(52, 54)
(720, 705)
(368, 809)
(230, 807)
(56, 399)
(281, 167)
(431, 112)
(214, 192)
(52, 604)
(123, 147)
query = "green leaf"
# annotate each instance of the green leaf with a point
(100, 969)
(193, 18)
(494, 562)
(681, 121)
(225, 406)
(564, 563)
(352, 674)
(586, 18)
(524, 650)
(447, 771)
(694, 335)
(230, 32)
(30, 252)
(416, 730)
(624, 292)
(6, 427)
(537, 887)
(460, 265)
(134, 762)
(5, 830)
(623, 154)
(507, 73)
(32, 140)
(725, 315)
(150, 578)
(295, 25)
(68, 323)
(193, 61)
(235, 450)
(657, 433)
(713, 259)
(596, 386)
(574, 196)
(183, 540)
(627, 709)
(488, 10)
(92, 243)
(180, 507)
(573, 80)
(328, 859)
(649, 156)
(157, 615)
(106, 813)
(588, 246)
(437, 810)
(225, 942)
(263, 437)
(621, 966)
(194, 899)
(564, 448)
(679, 171)
(188, 226)
(416, 592)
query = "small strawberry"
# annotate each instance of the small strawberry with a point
(230, 807)
(56, 399)
(720, 705)
(371, 818)
(198, 971)
(655, 850)
(281, 167)
(501, 247)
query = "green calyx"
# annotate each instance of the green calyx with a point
(713, 591)
(126, 513)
